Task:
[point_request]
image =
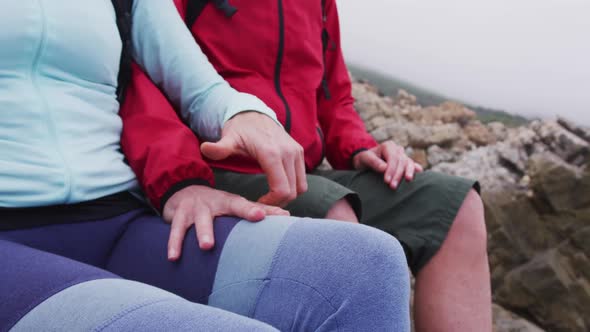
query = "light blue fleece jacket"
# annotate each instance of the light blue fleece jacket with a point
(59, 124)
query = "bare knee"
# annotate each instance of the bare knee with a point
(468, 235)
(341, 210)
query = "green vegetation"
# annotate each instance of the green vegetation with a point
(389, 85)
(487, 115)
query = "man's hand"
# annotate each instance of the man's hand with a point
(199, 205)
(281, 158)
(391, 160)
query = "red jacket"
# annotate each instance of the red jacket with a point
(272, 49)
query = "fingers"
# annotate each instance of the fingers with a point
(242, 208)
(222, 149)
(199, 205)
(279, 155)
(289, 165)
(273, 210)
(418, 167)
(300, 171)
(391, 155)
(285, 170)
(280, 192)
(373, 161)
(402, 162)
(203, 220)
(177, 232)
(410, 170)
(399, 165)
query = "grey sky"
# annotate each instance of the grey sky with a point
(526, 56)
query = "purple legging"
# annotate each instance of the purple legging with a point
(294, 274)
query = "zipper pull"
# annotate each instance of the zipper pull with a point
(225, 7)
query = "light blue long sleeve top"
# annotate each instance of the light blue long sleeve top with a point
(59, 124)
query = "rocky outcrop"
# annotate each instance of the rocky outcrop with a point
(536, 188)
(506, 321)
(564, 143)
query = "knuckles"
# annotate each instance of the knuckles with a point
(389, 144)
(283, 193)
(270, 151)
(303, 188)
(292, 195)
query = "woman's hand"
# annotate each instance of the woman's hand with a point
(391, 160)
(199, 205)
(281, 158)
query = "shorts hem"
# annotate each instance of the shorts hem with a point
(454, 200)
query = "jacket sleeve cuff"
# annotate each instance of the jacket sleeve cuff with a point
(249, 103)
(354, 153)
(179, 186)
(342, 157)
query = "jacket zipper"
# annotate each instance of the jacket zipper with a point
(48, 116)
(321, 134)
(278, 66)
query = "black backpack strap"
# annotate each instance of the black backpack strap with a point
(194, 8)
(123, 13)
(325, 42)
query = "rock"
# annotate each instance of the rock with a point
(479, 134)
(581, 261)
(498, 129)
(396, 131)
(447, 112)
(405, 99)
(378, 122)
(425, 136)
(580, 241)
(380, 134)
(535, 182)
(436, 155)
(515, 150)
(506, 321)
(482, 164)
(525, 182)
(504, 253)
(410, 134)
(544, 288)
(582, 132)
(513, 157)
(522, 137)
(565, 144)
(523, 226)
(419, 156)
(538, 246)
(463, 144)
(517, 231)
(453, 112)
(557, 183)
(369, 104)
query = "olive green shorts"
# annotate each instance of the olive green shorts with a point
(418, 213)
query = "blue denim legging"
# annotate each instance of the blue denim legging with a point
(282, 273)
